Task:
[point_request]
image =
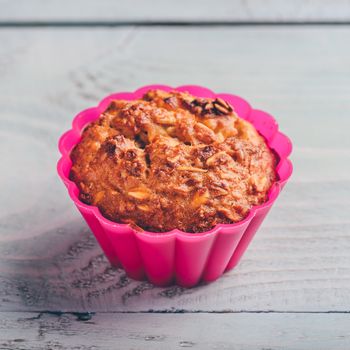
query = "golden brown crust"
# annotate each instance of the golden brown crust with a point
(171, 160)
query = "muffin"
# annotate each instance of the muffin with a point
(170, 160)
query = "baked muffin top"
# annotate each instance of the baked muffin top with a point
(171, 160)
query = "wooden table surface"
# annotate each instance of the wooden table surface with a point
(292, 288)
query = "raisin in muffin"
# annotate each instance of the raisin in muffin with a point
(171, 160)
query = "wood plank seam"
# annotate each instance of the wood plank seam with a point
(223, 23)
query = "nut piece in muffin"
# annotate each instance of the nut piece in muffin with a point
(172, 160)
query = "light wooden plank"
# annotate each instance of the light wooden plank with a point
(301, 267)
(180, 10)
(175, 331)
(299, 261)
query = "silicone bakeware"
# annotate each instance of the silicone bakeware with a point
(177, 257)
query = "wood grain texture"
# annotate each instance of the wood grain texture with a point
(299, 260)
(180, 10)
(175, 331)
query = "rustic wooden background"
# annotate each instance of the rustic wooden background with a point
(292, 288)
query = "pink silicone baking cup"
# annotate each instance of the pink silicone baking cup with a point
(176, 256)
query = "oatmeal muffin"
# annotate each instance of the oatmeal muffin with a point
(171, 160)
